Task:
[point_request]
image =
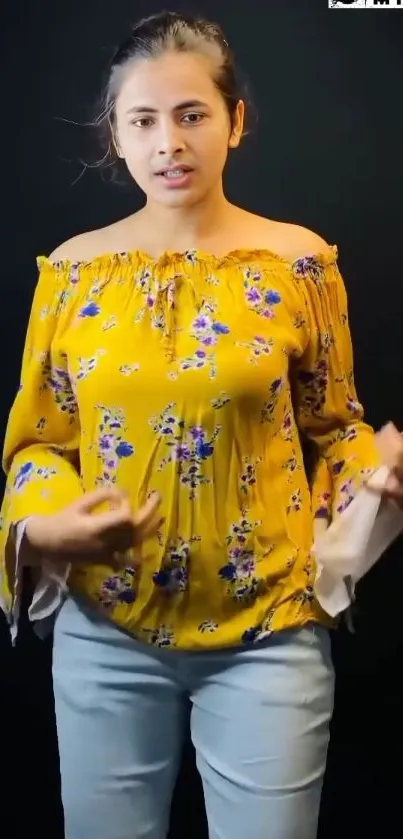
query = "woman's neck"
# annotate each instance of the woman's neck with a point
(182, 228)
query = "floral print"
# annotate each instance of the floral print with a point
(118, 588)
(248, 476)
(269, 407)
(161, 636)
(261, 299)
(128, 369)
(220, 401)
(206, 330)
(88, 365)
(189, 448)
(239, 573)
(199, 360)
(258, 348)
(208, 626)
(28, 472)
(112, 446)
(173, 576)
(197, 377)
(56, 379)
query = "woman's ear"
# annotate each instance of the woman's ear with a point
(237, 125)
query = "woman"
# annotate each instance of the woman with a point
(155, 472)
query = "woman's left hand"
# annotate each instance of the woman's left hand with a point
(390, 446)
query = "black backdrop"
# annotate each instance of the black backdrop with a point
(327, 152)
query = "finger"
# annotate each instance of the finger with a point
(128, 534)
(122, 514)
(147, 531)
(90, 500)
(148, 511)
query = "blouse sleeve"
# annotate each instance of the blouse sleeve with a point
(41, 448)
(327, 408)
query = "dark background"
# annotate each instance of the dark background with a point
(327, 153)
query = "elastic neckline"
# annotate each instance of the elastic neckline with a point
(325, 257)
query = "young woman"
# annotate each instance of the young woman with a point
(173, 362)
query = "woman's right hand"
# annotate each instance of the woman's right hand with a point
(80, 532)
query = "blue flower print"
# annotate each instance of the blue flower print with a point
(239, 572)
(90, 310)
(118, 588)
(272, 298)
(173, 575)
(205, 329)
(260, 299)
(203, 448)
(29, 471)
(124, 449)
(24, 475)
(220, 329)
(112, 447)
(188, 447)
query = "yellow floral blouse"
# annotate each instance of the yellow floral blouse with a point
(197, 377)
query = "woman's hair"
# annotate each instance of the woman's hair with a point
(153, 36)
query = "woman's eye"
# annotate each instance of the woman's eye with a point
(192, 117)
(143, 122)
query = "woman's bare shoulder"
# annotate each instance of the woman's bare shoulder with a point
(93, 243)
(290, 241)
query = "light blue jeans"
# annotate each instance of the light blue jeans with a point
(259, 723)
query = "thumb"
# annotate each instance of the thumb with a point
(104, 495)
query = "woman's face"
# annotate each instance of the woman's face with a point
(173, 129)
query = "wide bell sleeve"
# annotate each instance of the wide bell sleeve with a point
(326, 406)
(41, 447)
